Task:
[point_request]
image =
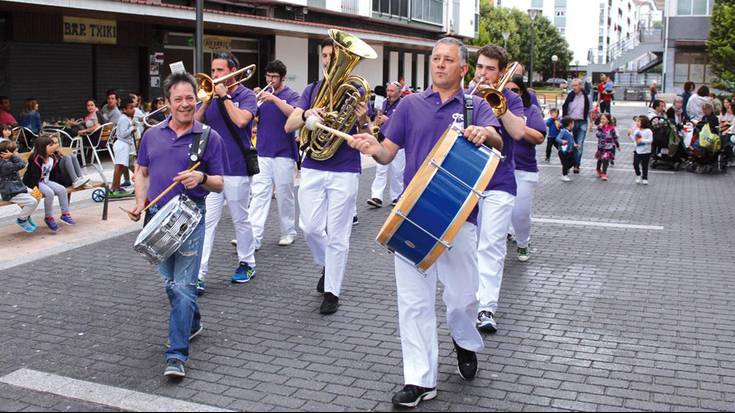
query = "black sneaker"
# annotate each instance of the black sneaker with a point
(330, 304)
(355, 221)
(412, 395)
(375, 202)
(394, 202)
(320, 284)
(174, 369)
(466, 362)
(200, 288)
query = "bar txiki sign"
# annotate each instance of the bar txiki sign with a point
(81, 30)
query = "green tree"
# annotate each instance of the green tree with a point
(721, 44)
(548, 42)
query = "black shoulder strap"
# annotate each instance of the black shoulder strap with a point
(469, 107)
(199, 146)
(231, 128)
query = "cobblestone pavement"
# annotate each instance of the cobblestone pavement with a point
(602, 318)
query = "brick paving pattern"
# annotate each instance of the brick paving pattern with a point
(600, 319)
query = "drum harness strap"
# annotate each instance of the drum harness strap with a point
(469, 108)
(199, 146)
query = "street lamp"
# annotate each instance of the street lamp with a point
(532, 13)
(554, 59)
(506, 35)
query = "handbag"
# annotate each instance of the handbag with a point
(250, 156)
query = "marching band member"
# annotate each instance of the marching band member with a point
(393, 172)
(277, 154)
(526, 167)
(327, 195)
(163, 154)
(230, 114)
(416, 125)
(496, 209)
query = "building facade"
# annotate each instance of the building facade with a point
(685, 56)
(590, 27)
(63, 53)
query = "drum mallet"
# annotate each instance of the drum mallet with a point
(162, 194)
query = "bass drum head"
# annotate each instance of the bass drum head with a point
(157, 220)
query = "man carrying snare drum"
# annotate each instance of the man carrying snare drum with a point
(436, 107)
(163, 155)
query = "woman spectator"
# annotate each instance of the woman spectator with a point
(676, 113)
(92, 120)
(30, 118)
(158, 103)
(697, 102)
(727, 116)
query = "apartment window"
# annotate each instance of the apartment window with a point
(560, 13)
(429, 11)
(537, 4)
(694, 7)
(398, 8)
(692, 66)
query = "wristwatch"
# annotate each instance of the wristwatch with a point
(204, 179)
(226, 97)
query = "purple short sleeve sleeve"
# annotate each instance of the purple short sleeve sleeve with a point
(214, 155)
(484, 115)
(535, 120)
(143, 158)
(304, 100)
(247, 101)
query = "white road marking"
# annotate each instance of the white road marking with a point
(99, 393)
(630, 171)
(596, 224)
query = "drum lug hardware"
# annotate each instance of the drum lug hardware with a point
(407, 219)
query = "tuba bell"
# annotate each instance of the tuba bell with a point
(339, 93)
(494, 94)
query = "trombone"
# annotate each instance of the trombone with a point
(206, 85)
(147, 123)
(494, 94)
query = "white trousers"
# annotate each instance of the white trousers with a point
(521, 217)
(327, 205)
(493, 224)
(278, 172)
(237, 195)
(393, 173)
(457, 271)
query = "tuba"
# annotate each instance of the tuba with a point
(494, 94)
(340, 93)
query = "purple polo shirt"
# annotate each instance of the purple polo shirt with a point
(244, 99)
(165, 155)
(388, 109)
(345, 159)
(421, 119)
(525, 151)
(273, 141)
(505, 178)
(534, 100)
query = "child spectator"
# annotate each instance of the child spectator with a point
(567, 147)
(124, 144)
(642, 136)
(552, 130)
(12, 188)
(71, 171)
(44, 172)
(607, 140)
(7, 133)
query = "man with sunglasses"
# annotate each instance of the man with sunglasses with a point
(497, 208)
(277, 154)
(230, 113)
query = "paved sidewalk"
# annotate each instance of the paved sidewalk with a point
(606, 316)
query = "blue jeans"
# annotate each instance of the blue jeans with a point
(179, 273)
(580, 133)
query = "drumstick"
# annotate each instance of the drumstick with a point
(167, 190)
(313, 122)
(162, 194)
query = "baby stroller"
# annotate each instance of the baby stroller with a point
(668, 146)
(708, 153)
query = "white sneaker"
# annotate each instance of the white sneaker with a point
(80, 182)
(286, 240)
(566, 178)
(638, 179)
(644, 182)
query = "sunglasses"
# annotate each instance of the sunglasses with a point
(515, 90)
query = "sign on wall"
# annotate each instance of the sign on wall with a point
(96, 31)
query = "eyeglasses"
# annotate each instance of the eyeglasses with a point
(515, 90)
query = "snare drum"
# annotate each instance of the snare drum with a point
(168, 229)
(439, 199)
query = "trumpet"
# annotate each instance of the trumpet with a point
(494, 94)
(207, 84)
(265, 89)
(149, 124)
